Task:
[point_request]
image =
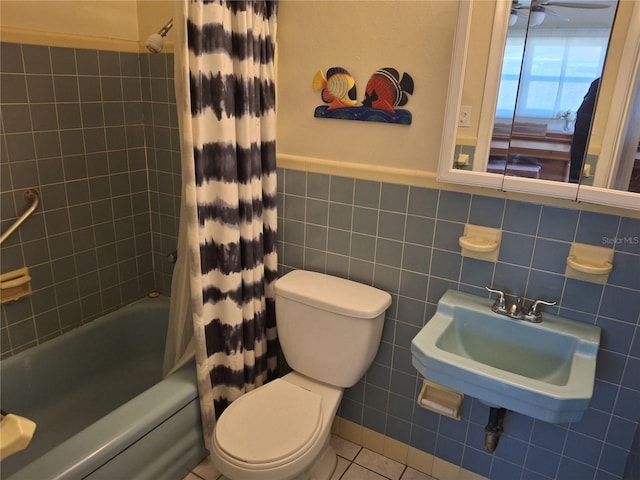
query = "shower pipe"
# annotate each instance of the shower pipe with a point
(32, 199)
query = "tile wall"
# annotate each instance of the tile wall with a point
(95, 133)
(632, 469)
(405, 240)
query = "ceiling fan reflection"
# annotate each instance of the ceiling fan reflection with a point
(538, 10)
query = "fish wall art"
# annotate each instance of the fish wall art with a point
(385, 90)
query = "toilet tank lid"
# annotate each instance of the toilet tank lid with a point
(333, 294)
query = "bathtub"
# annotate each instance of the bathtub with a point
(101, 407)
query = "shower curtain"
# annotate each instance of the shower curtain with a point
(224, 67)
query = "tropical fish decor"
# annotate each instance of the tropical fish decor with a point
(338, 88)
(385, 91)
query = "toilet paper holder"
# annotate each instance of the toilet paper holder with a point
(15, 285)
(440, 399)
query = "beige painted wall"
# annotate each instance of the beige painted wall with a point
(110, 24)
(363, 36)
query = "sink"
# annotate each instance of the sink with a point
(543, 370)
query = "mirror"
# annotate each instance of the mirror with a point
(553, 60)
(479, 55)
(616, 166)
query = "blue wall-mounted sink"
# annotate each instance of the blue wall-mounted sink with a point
(543, 370)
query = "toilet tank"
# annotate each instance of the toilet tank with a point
(329, 328)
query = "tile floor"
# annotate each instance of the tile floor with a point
(354, 463)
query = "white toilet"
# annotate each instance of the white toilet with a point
(329, 330)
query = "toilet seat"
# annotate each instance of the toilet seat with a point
(269, 426)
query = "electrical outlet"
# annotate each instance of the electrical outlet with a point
(464, 118)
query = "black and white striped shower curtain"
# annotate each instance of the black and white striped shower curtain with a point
(231, 89)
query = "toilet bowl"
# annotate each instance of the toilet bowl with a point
(329, 330)
(279, 431)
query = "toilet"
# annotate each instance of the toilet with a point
(329, 329)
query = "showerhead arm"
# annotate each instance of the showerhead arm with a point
(164, 30)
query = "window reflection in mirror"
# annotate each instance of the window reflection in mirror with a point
(555, 53)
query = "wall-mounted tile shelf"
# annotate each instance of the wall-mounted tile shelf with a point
(15, 285)
(589, 263)
(480, 242)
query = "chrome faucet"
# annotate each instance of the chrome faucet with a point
(516, 310)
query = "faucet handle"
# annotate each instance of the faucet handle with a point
(500, 305)
(535, 314)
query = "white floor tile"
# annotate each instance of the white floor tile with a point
(356, 472)
(206, 470)
(341, 467)
(411, 474)
(344, 448)
(380, 464)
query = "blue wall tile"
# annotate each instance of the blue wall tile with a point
(512, 450)
(449, 450)
(631, 376)
(486, 211)
(341, 190)
(521, 217)
(423, 202)
(626, 271)
(476, 272)
(389, 252)
(548, 435)
(635, 347)
(394, 197)
(318, 186)
(621, 432)
(550, 255)
(583, 448)
(367, 193)
(613, 459)
(570, 469)
(405, 241)
(447, 235)
(454, 206)
(295, 182)
(446, 264)
(391, 225)
(398, 429)
(365, 220)
(477, 461)
(510, 278)
(542, 461)
(419, 230)
(423, 439)
(616, 335)
(502, 470)
(628, 237)
(544, 285)
(621, 303)
(595, 228)
(516, 249)
(582, 296)
(416, 258)
(604, 396)
(558, 223)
